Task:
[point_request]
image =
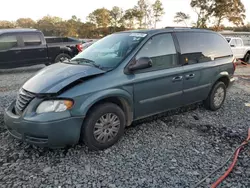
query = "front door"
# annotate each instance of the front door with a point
(158, 88)
(9, 51)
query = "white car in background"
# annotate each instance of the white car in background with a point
(240, 51)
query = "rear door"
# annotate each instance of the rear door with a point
(240, 48)
(34, 50)
(10, 51)
(199, 54)
(158, 88)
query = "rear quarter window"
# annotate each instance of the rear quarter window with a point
(198, 47)
(239, 42)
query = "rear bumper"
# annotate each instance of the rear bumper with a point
(54, 134)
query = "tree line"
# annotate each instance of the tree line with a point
(102, 21)
(215, 12)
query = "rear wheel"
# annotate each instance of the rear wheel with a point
(62, 57)
(247, 58)
(103, 126)
(216, 97)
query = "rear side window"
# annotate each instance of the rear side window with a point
(161, 50)
(31, 40)
(8, 42)
(202, 47)
(239, 42)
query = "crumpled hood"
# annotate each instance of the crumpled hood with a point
(55, 77)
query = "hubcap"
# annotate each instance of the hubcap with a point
(106, 128)
(62, 59)
(219, 96)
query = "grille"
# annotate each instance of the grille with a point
(23, 99)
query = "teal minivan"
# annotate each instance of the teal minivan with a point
(123, 77)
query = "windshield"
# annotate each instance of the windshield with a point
(108, 52)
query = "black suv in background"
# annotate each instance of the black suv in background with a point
(25, 47)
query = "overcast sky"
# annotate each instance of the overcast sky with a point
(35, 9)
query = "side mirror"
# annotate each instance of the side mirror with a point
(232, 45)
(141, 63)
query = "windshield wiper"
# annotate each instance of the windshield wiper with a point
(86, 61)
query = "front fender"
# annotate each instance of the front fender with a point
(93, 99)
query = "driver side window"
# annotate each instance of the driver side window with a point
(161, 50)
(7, 42)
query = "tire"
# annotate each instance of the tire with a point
(47, 64)
(62, 57)
(210, 103)
(247, 58)
(93, 124)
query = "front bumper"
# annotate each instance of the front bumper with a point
(63, 130)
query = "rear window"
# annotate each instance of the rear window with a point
(202, 47)
(7, 42)
(31, 40)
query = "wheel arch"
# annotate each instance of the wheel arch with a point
(223, 77)
(66, 50)
(119, 97)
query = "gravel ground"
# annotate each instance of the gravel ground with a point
(175, 149)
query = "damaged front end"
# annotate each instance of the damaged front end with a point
(52, 81)
(40, 115)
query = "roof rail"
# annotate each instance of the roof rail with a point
(178, 27)
(172, 27)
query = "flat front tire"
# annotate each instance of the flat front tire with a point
(216, 97)
(103, 126)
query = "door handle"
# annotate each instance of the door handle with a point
(190, 76)
(177, 78)
(17, 52)
(41, 50)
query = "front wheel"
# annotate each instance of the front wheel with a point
(103, 126)
(216, 97)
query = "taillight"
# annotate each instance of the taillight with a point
(79, 47)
